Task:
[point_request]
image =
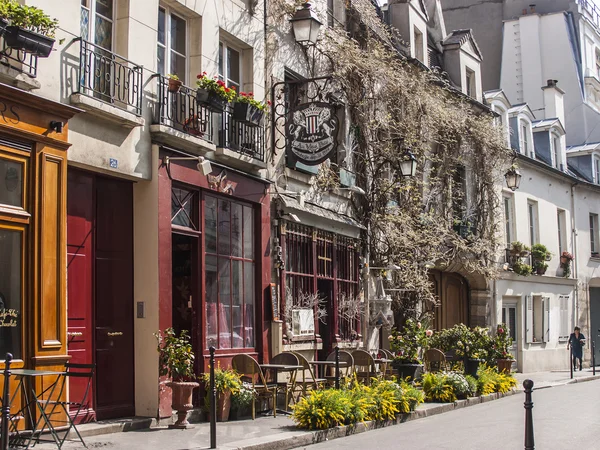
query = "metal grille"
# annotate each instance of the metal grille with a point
(19, 60)
(110, 78)
(239, 137)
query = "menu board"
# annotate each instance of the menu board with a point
(274, 302)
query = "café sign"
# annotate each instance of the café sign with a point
(312, 132)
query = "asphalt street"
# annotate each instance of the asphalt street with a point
(564, 417)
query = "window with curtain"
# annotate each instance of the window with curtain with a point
(229, 271)
(172, 44)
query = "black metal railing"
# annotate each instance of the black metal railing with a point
(19, 60)
(242, 138)
(110, 78)
(180, 111)
(512, 258)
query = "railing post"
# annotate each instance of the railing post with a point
(529, 444)
(213, 400)
(5, 403)
(337, 367)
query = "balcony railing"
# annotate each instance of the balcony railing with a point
(241, 138)
(511, 258)
(180, 111)
(110, 78)
(19, 60)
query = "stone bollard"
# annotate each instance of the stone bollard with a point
(529, 444)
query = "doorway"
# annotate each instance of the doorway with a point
(452, 291)
(595, 319)
(325, 326)
(100, 291)
(509, 317)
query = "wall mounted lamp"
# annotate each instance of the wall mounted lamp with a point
(203, 166)
(56, 126)
(306, 25)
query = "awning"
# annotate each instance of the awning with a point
(292, 203)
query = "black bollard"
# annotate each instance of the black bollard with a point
(337, 367)
(529, 445)
(213, 400)
(571, 361)
(5, 403)
(593, 358)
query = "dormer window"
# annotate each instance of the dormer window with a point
(524, 135)
(596, 170)
(556, 151)
(418, 43)
(598, 63)
(470, 83)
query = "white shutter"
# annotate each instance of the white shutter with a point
(564, 316)
(529, 318)
(546, 319)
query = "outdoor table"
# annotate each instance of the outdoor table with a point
(27, 382)
(320, 365)
(276, 368)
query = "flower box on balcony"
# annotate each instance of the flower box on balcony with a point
(210, 100)
(248, 114)
(19, 38)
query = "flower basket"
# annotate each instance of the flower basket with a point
(504, 365)
(248, 114)
(174, 85)
(29, 41)
(212, 101)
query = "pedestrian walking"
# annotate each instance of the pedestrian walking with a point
(576, 342)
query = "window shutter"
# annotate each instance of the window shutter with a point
(564, 315)
(546, 319)
(529, 318)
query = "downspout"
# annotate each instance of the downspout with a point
(575, 253)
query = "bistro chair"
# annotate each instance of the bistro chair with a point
(309, 381)
(70, 409)
(251, 372)
(364, 366)
(288, 384)
(387, 369)
(435, 360)
(345, 371)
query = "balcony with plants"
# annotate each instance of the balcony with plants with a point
(27, 34)
(525, 261)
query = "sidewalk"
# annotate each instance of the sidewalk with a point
(268, 433)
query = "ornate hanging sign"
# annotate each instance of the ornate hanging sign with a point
(312, 132)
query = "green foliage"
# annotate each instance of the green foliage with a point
(225, 380)
(409, 343)
(243, 396)
(248, 97)
(501, 344)
(472, 385)
(172, 76)
(354, 403)
(539, 252)
(518, 248)
(489, 380)
(216, 86)
(522, 269)
(28, 17)
(176, 357)
(468, 343)
(438, 388)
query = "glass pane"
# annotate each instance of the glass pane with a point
(233, 66)
(249, 303)
(211, 300)
(103, 35)
(221, 68)
(182, 208)
(160, 57)
(10, 293)
(84, 23)
(248, 233)
(178, 66)
(105, 7)
(237, 303)
(224, 227)
(11, 183)
(210, 224)
(161, 26)
(224, 303)
(236, 229)
(178, 34)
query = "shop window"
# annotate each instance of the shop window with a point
(183, 209)
(229, 270)
(11, 179)
(11, 290)
(172, 44)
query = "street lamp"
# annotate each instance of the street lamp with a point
(408, 165)
(306, 25)
(513, 178)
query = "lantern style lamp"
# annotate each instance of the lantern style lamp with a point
(408, 165)
(306, 25)
(513, 178)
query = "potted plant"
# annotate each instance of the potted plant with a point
(213, 93)
(475, 349)
(5, 8)
(565, 263)
(248, 110)
(519, 249)
(176, 361)
(501, 344)
(522, 269)
(408, 346)
(241, 402)
(227, 382)
(540, 255)
(30, 29)
(174, 83)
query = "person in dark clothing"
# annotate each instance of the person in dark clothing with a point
(576, 342)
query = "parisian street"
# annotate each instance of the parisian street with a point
(564, 417)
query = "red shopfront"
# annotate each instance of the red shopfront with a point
(214, 261)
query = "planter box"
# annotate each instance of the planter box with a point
(210, 100)
(471, 366)
(28, 41)
(248, 114)
(406, 370)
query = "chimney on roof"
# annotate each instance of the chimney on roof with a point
(532, 8)
(553, 101)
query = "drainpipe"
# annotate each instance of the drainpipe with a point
(575, 254)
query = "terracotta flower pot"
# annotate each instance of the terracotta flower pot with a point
(504, 365)
(564, 260)
(223, 406)
(181, 401)
(174, 85)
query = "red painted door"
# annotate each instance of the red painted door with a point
(114, 299)
(80, 244)
(100, 287)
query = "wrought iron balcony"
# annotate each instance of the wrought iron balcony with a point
(180, 111)
(511, 258)
(19, 60)
(110, 78)
(241, 138)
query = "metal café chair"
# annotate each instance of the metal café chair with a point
(251, 372)
(435, 360)
(364, 365)
(345, 371)
(309, 381)
(288, 384)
